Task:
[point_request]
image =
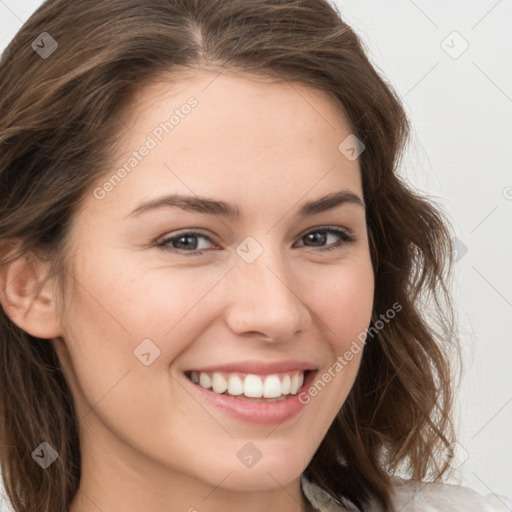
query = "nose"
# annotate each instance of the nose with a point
(265, 298)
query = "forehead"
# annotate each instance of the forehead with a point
(242, 103)
(246, 136)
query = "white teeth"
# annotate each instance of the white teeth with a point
(205, 381)
(285, 385)
(235, 386)
(294, 384)
(219, 383)
(272, 387)
(251, 386)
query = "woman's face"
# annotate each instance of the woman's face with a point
(262, 296)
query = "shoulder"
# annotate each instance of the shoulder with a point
(416, 496)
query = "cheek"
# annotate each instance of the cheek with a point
(131, 300)
(344, 310)
(343, 300)
(122, 333)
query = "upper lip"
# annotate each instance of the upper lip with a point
(258, 367)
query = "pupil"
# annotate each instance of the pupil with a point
(194, 246)
(314, 237)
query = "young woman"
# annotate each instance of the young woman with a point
(213, 281)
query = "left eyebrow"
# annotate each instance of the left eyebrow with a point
(210, 206)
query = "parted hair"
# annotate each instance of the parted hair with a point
(59, 122)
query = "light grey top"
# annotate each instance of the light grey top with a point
(415, 496)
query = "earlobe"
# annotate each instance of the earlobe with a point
(28, 304)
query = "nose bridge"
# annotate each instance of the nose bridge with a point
(265, 298)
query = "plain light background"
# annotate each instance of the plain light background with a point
(459, 101)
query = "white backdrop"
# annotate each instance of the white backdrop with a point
(451, 63)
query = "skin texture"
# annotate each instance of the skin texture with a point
(147, 443)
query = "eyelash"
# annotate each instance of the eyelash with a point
(342, 233)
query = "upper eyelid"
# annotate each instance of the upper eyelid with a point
(194, 231)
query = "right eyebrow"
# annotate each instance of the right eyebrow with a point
(210, 206)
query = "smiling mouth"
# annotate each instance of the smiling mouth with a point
(249, 386)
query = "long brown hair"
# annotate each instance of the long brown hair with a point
(59, 117)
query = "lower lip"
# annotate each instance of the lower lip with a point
(268, 413)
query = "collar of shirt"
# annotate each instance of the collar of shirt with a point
(322, 501)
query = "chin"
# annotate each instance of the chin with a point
(278, 470)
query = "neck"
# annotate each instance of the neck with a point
(117, 479)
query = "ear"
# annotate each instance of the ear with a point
(30, 306)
